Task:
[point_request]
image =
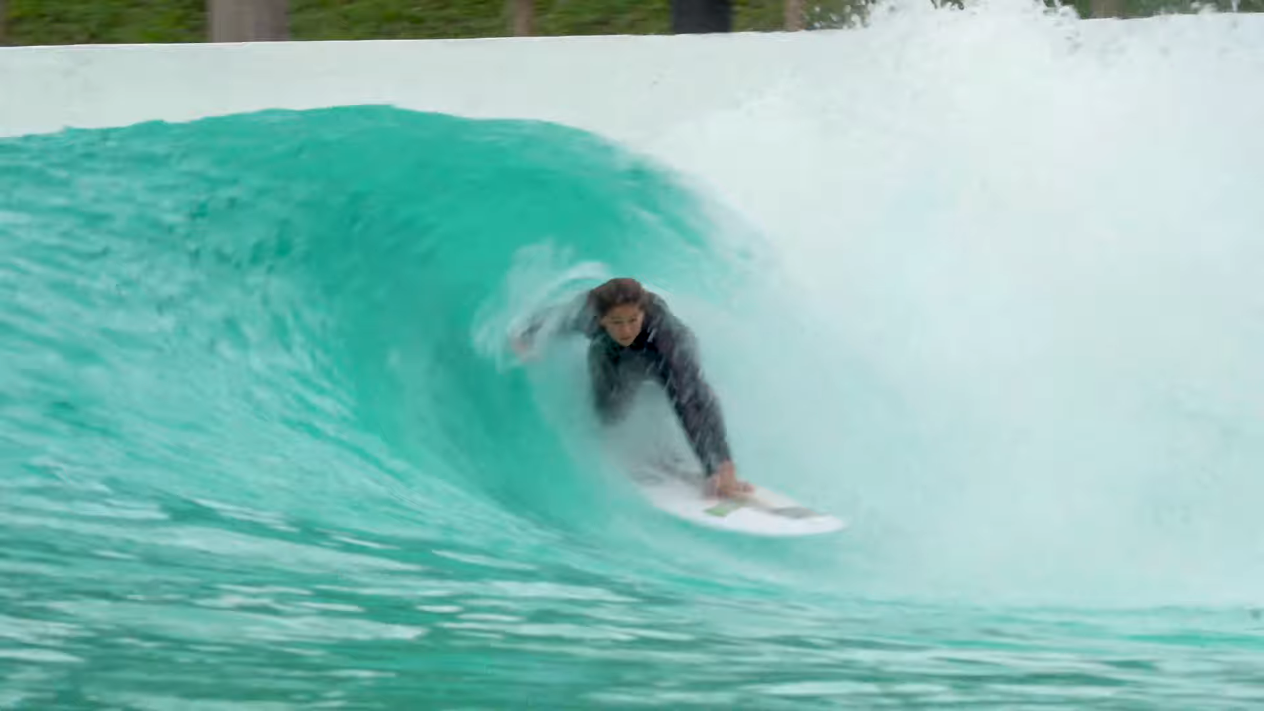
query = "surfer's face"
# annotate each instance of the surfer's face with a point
(623, 323)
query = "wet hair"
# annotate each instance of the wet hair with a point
(617, 292)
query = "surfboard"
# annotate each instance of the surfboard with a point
(674, 489)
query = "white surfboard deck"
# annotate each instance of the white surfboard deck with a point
(764, 512)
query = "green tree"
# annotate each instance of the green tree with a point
(142, 21)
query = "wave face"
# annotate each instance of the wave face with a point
(264, 444)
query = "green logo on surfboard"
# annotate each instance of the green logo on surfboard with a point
(725, 508)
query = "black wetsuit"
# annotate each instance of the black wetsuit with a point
(666, 352)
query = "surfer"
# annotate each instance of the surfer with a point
(634, 336)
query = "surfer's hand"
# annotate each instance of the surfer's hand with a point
(724, 483)
(522, 346)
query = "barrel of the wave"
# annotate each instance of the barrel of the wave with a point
(637, 340)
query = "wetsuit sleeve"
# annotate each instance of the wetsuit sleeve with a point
(695, 403)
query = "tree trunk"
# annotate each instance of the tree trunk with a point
(522, 13)
(249, 20)
(794, 15)
(702, 16)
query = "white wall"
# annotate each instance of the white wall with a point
(625, 86)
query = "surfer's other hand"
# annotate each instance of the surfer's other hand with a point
(522, 346)
(724, 483)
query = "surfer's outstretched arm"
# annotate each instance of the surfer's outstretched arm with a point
(693, 399)
(573, 316)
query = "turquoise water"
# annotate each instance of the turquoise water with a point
(263, 444)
